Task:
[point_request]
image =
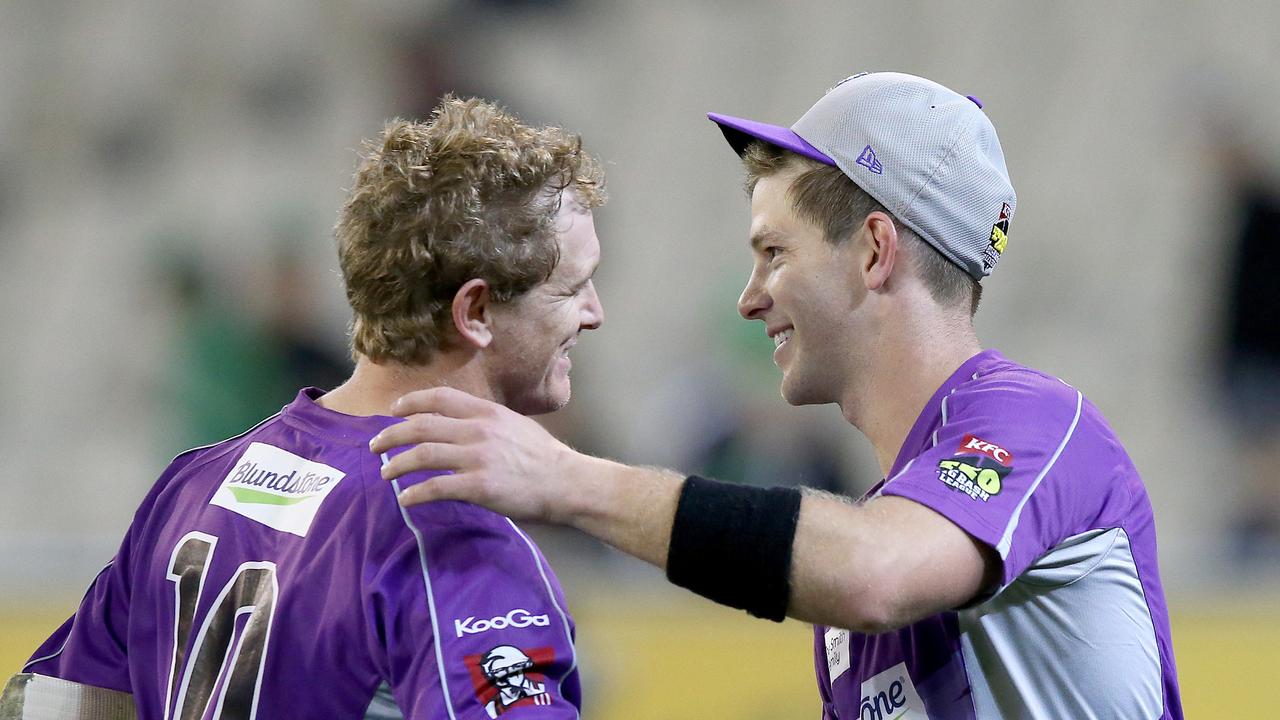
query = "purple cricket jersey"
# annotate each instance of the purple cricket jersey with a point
(1078, 627)
(274, 575)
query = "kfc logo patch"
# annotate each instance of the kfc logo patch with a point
(973, 445)
(978, 468)
(505, 678)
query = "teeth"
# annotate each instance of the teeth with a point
(781, 337)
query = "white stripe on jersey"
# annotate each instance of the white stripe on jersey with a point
(431, 598)
(552, 595)
(1007, 538)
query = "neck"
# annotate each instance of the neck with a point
(374, 386)
(899, 379)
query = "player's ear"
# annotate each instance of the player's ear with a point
(880, 253)
(473, 313)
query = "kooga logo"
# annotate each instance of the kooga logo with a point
(518, 618)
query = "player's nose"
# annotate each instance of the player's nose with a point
(754, 301)
(592, 308)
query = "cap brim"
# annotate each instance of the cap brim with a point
(740, 132)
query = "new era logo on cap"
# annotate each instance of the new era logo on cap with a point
(868, 160)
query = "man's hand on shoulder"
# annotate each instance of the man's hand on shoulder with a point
(499, 458)
(510, 464)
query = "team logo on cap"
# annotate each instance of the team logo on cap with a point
(999, 239)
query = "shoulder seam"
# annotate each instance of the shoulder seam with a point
(260, 423)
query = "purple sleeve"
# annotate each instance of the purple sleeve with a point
(998, 468)
(470, 619)
(90, 647)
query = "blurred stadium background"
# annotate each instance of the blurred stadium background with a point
(169, 173)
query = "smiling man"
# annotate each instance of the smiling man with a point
(274, 575)
(1006, 565)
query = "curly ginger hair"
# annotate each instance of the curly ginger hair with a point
(471, 193)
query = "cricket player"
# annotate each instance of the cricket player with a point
(1006, 565)
(274, 575)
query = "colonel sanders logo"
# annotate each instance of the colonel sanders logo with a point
(505, 678)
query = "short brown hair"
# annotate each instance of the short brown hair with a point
(826, 197)
(471, 193)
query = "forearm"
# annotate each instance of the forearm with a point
(880, 565)
(833, 573)
(630, 508)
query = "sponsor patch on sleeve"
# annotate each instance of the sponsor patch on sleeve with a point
(507, 677)
(977, 469)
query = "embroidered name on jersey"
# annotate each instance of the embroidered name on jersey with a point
(277, 488)
(838, 651)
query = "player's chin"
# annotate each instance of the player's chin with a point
(796, 392)
(550, 399)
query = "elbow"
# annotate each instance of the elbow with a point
(877, 615)
(876, 602)
(881, 624)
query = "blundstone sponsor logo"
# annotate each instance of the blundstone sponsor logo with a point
(518, 618)
(277, 488)
(251, 484)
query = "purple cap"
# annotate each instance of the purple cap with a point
(740, 131)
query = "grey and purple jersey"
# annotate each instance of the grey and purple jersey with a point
(1078, 626)
(274, 575)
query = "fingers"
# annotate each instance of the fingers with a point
(426, 456)
(442, 487)
(420, 428)
(443, 401)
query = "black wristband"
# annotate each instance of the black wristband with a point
(732, 544)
